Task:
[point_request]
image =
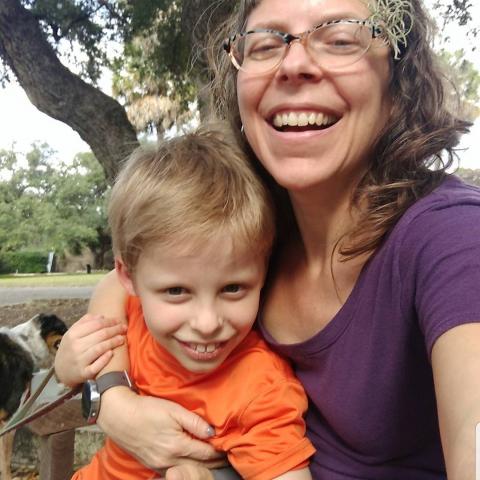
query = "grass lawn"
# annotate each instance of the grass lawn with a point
(51, 280)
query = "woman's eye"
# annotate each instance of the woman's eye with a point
(232, 288)
(176, 290)
(341, 39)
(262, 47)
(341, 42)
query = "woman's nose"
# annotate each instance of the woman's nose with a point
(298, 64)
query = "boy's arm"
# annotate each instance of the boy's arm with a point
(302, 474)
(88, 346)
(196, 472)
(108, 299)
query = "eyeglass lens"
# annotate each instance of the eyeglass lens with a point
(331, 46)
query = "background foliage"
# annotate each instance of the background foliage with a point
(154, 50)
(51, 207)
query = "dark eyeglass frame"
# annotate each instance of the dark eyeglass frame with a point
(288, 38)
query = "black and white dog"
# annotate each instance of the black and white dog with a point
(24, 349)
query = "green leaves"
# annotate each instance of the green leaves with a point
(466, 79)
(51, 206)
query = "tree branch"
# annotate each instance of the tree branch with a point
(99, 119)
(198, 19)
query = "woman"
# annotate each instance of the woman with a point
(372, 290)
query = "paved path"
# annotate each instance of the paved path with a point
(11, 296)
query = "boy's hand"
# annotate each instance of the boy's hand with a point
(87, 347)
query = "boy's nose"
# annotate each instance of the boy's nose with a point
(207, 321)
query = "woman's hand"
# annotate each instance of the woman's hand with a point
(157, 432)
(87, 347)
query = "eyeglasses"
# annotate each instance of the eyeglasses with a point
(332, 45)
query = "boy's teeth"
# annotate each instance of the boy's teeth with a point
(302, 119)
(203, 348)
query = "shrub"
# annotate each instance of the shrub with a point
(24, 261)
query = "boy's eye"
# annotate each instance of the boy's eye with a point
(176, 290)
(232, 288)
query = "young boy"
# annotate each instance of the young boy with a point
(192, 230)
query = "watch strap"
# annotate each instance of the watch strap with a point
(114, 379)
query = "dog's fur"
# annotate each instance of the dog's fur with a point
(24, 349)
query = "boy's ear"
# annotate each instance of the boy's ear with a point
(124, 276)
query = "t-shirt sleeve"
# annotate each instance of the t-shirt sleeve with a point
(444, 247)
(269, 439)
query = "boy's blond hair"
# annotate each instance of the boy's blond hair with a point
(189, 189)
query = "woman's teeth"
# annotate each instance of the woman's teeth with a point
(302, 119)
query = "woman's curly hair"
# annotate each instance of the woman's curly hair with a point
(413, 151)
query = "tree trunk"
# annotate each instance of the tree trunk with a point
(99, 119)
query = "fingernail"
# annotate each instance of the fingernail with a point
(210, 431)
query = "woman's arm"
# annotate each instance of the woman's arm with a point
(155, 431)
(456, 369)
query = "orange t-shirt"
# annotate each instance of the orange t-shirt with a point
(253, 400)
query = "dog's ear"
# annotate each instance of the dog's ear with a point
(16, 368)
(53, 342)
(50, 324)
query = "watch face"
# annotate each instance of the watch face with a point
(90, 401)
(86, 400)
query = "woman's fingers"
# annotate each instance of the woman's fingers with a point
(201, 451)
(164, 441)
(192, 423)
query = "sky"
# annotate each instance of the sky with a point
(21, 123)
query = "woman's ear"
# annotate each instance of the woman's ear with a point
(124, 276)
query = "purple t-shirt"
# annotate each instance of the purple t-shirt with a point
(368, 375)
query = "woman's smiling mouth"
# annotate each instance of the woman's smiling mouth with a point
(301, 121)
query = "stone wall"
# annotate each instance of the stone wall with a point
(69, 263)
(26, 447)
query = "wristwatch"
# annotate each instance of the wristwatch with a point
(93, 389)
